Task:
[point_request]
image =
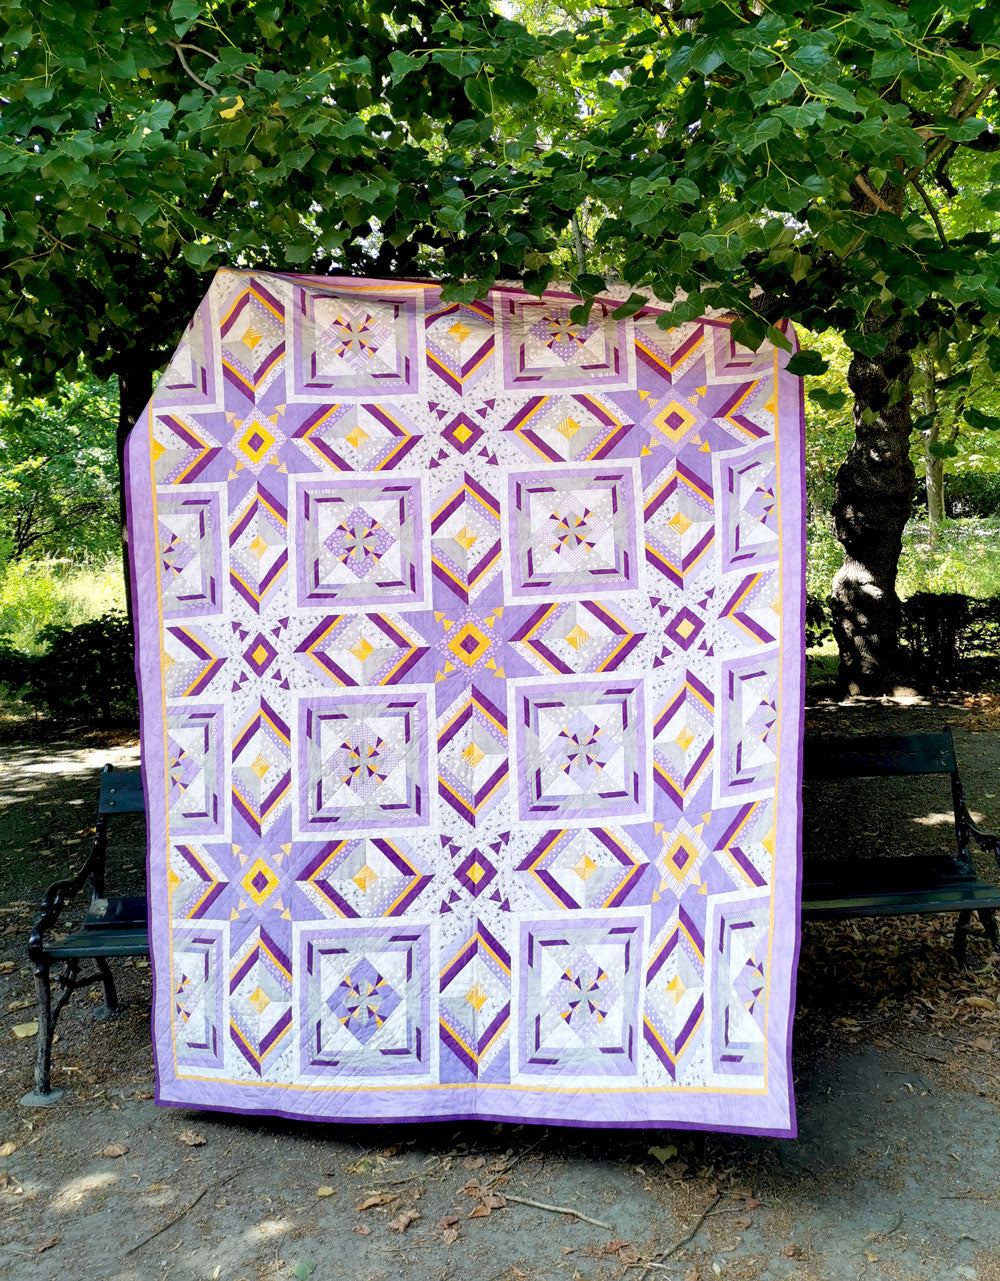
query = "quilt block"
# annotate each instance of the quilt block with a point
(470, 657)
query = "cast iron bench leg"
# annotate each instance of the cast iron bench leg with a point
(107, 979)
(43, 1092)
(989, 919)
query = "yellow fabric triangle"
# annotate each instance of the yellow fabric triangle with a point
(706, 816)
(501, 673)
(273, 418)
(491, 664)
(645, 451)
(499, 611)
(657, 828)
(439, 676)
(234, 915)
(287, 849)
(286, 915)
(701, 391)
(283, 469)
(232, 474)
(490, 622)
(643, 395)
(706, 448)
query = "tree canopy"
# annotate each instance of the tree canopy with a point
(794, 159)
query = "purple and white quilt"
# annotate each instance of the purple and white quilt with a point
(470, 657)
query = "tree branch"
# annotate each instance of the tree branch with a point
(178, 49)
(918, 186)
(872, 194)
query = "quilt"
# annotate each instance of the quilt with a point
(470, 655)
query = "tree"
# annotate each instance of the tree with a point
(778, 160)
(58, 484)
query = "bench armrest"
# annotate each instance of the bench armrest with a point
(59, 893)
(987, 841)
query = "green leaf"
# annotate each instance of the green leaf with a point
(807, 362)
(941, 449)
(197, 254)
(980, 421)
(184, 13)
(588, 283)
(632, 304)
(302, 1271)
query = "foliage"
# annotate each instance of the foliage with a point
(716, 148)
(965, 560)
(84, 672)
(57, 472)
(39, 594)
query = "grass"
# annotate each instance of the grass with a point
(34, 594)
(966, 559)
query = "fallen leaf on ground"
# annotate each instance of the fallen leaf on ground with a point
(793, 1252)
(741, 1225)
(983, 1043)
(569, 1249)
(363, 1165)
(448, 1221)
(752, 1203)
(190, 1139)
(47, 1245)
(7, 1149)
(324, 1190)
(377, 1198)
(144, 1094)
(111, 1150)
(6, 967)
(692, 1274)
(980, 1002)
(23, 1004)
(8, 1183)
(21, 1030)
(872, 1258)
(362, 1229)
(449, 1236)
(474, 1162)
(663, 1154)
(403, 1220)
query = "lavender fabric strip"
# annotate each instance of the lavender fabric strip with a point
(470, 657)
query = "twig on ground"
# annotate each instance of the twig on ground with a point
(520, 1157)
(882, 1236)
(185, 1209)
(666, 1254)
(558, 1209)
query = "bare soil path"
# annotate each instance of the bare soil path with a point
(895, 1174)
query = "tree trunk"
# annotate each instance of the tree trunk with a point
(135, 387)
(874, 490)
(934, 471)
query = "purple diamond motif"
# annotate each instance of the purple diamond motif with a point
(259, 654)
(684, 628)
(362, 1001)
(475, 872)
(462, 433)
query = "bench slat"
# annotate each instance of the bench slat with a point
(875, 756)
(109, 941)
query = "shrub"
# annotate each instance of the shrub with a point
(85, 672)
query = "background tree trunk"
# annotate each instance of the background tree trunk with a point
(934, 469)
(874, 491)
(135, 387)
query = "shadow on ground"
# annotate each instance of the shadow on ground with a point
(895, 1173)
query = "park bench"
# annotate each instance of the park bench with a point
(112, 927)
(906, 884)
(845, 887)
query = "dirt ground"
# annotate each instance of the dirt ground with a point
(895, 1173)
